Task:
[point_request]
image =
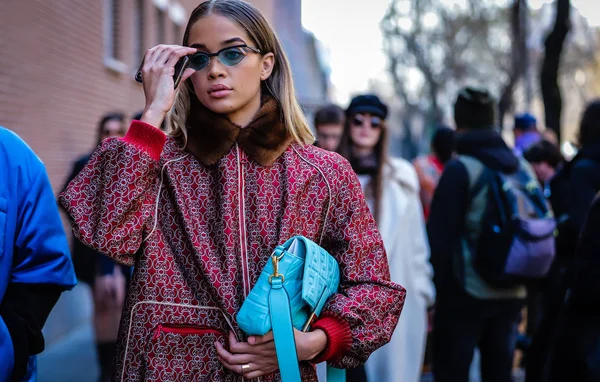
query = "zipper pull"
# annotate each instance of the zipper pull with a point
(157, 332)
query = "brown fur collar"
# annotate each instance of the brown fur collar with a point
(210, 136)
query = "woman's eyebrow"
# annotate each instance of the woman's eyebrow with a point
(226, 42)
(235, 39)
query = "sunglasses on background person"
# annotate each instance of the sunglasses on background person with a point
(359, 121)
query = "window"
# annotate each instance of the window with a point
(112, 48)
(139, 32)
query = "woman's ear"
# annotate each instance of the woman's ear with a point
(268, 63)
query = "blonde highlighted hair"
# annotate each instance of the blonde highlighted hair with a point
(280, 84)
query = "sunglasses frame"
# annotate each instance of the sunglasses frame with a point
(211, 55)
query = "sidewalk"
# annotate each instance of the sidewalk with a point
(70, 354)
(73, 358)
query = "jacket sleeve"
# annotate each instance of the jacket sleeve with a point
(362, 316)
(582, 190)
(447, 219)
(110, 201)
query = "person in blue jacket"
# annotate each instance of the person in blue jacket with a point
(35, 264)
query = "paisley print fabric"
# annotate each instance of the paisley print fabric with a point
(199, 237)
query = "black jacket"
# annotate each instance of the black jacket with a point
(450, 202)
(573, 190)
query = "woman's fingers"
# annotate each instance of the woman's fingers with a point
(151, 56)
(187, 74)
(177, 54)
(257, 340)
(165, 56)
(251, 374)
(232, 358)
(235, 368)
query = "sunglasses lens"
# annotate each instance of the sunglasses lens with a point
(375, 123)
(231, 56)
(199, 61)
(357, 121)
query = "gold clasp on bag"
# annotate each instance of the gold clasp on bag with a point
(276, 273)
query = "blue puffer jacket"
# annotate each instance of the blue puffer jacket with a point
(33, 246)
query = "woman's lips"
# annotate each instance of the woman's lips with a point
(219, 91)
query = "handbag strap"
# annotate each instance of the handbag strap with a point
(283, 333)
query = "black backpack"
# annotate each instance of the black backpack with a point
(516, 239)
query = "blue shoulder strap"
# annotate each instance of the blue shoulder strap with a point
(283, 333)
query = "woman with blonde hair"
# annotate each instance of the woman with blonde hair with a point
(205, 205)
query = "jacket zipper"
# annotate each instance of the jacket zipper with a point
(184, 330)
(242, 219)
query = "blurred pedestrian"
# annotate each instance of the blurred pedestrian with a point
(199, 211)
(35, 265)
(546, 160)
(391, 189)
(329, 125)
(572, 191)
(470, 312)
(430, 167)
(526, 132)
(575, 355)
(107, 281)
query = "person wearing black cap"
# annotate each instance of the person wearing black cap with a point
(391, 188)
(469, 312)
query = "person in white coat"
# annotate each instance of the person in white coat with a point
(391, 187)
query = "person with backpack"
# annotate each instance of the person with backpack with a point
(486, 203)
(391, 189)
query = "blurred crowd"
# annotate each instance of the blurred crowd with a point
(509, 244)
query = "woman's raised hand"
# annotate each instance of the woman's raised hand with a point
(157, 74)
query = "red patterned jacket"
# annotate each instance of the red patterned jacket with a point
(199, 236)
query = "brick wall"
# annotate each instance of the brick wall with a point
(54, 83)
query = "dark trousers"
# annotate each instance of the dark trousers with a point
(357, 374)
(463, 323)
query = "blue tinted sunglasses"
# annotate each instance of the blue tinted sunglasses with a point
(229, 56)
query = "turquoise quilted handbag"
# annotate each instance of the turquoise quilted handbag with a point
(291, 290)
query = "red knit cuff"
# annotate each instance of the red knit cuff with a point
(146, 137)
(339, 338)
